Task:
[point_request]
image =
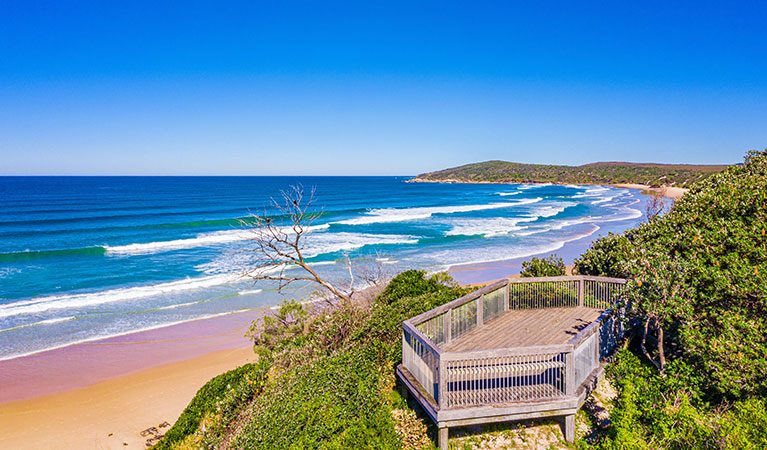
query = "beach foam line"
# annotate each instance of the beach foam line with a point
(124, 333)
(41, 304)
(253, 291)
(180, 305)
(388, 215)
(42, 322)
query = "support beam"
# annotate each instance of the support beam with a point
(570, 428)
(442, 441)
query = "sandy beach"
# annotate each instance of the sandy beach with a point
(103, 394)
(667, 191)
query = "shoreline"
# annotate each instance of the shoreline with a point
(79, 365)
(672, 192)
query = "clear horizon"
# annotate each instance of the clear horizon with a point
(302, 89)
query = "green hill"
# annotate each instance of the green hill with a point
(681, 175)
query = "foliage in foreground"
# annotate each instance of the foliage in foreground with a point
(700, 274)
(326, 379)
(669, 412)
(552, 266)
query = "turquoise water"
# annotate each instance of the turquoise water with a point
(89, 257)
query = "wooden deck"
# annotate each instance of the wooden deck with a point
(516, 349)
(526, 327)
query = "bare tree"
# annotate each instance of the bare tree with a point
(658, 204)
(279, 246)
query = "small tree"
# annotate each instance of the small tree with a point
(278, 247)
(553, 266)
(659, 295)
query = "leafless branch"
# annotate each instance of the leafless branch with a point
(278, 242)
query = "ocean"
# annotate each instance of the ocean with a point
(83, 258)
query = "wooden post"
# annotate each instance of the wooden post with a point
(448, 326)
(569, 374)
(596, 347)
(506, 296)
(442, 441)
(570, 428)
(480, 310)
(581, 291)
(441, 385)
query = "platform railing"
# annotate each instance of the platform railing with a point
(473, 378)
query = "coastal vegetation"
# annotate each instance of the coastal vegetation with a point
(679, 175)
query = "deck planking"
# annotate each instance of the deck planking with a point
(526, 327)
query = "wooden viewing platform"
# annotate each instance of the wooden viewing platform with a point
(518, 349)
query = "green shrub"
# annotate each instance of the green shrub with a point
(337, 399)
(669, 412)
(552, 266)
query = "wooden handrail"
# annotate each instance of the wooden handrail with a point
(566, 278)
(501, 352)
(422, 338)
(423, 317)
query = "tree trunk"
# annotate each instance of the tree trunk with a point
(661, 353)
(644, 347)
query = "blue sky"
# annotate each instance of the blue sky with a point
(375, 88)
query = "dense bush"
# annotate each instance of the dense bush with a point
(669, 412)
(552, 266)
(701, 270)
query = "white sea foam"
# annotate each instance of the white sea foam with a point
(253, 291)
(453, 258)
(214, 238)
(495, 226)
(498, 226)
(41, 304)
(533, 186)
(389, 215)
(344, 241)
(506, 194)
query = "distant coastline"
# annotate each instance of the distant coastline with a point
(670, 180)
